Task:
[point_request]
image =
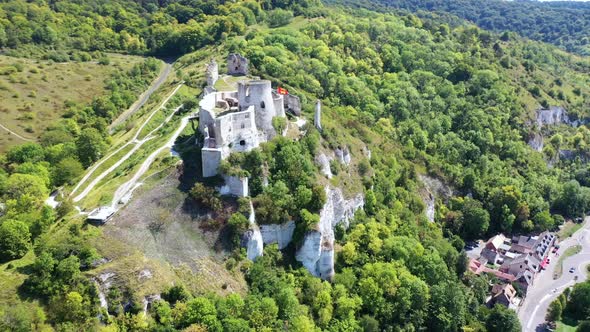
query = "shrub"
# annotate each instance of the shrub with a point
(279, 17)
(104, 61)
(7, 70)
(207, 196)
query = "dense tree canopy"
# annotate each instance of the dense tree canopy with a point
(565, 24)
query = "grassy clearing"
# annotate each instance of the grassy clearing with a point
(33, 92)
(569, 228)
(567, 253)
(228, 83)
(11, 278)
(563, 327)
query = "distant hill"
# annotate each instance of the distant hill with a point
(563, 23)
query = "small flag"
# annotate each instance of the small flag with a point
(282, 91)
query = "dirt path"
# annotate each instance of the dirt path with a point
(127, 188)
(17, 135)
(133, 140)
(164, 73)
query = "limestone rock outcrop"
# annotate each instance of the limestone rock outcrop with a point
(433, 188)
(343, 155)
(252, 238)
(324, 163)
(554, 115)
(280, 234)
(536, 142)
(317, 250)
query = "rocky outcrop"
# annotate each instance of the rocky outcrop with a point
(280, 234)
(554, 115)
(343, 155)
(433, 188)
(103, 284)
(252, 238)
(149, 300)
(317, 250)
(324, 163)
(536, 142)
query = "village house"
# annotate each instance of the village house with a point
(495, 248)
(505, 295)
(538, 246)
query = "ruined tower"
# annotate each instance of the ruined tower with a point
(258, 93)
(237, 65)
(317, 119)
(212, 73)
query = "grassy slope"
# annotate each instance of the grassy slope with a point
(34, 97)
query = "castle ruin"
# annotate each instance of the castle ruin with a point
(212, 73)
(237, 65)
(238, 121)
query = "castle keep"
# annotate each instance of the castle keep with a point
(238, 121)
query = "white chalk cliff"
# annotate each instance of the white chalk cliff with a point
(343, 155)
(324, 162)
(317, 250)
(536, 142)
(554, 115)
(280, 234)
(252, 239)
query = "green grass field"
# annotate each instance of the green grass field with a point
(569, 228)
(33, 92)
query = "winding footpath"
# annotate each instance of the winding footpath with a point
(545, 289)
(127, 188)
(15, 134)
(134, 140)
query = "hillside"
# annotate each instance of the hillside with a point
(435, 120)
(561, 23)
(35, 93)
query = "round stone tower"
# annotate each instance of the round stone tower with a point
(258, 93)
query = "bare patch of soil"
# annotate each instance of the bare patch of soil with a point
(163, 224)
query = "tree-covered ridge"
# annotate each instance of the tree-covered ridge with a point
(139, 27)
(456, 100)
(564, 24)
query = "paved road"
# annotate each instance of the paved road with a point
(134, 140)
(545, 289)
(164, 73)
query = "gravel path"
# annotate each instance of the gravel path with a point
(133, 140)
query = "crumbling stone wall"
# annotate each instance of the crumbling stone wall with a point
(237, 65)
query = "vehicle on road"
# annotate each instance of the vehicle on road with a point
(572, 270)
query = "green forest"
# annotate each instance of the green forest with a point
(561, 23)
(426, 96)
